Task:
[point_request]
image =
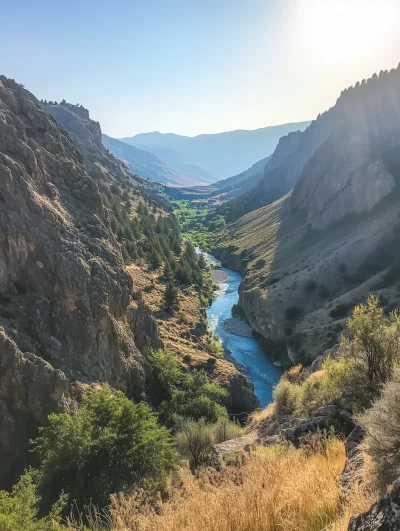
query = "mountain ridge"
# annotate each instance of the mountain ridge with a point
(222, 154)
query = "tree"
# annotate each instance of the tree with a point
(155, 259)
(63, 102)
(171, 300)
(202, 262)
(108, 445)
(373, 349)
(168, 274)
(195, 441)
(19, 508)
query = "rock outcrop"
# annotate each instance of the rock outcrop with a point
(384, 515)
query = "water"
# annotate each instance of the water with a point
(246, 350)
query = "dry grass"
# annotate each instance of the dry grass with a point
(173, 330)
(258, 416)
(278, 488)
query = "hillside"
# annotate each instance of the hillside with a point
(80, 234)
(358, 129)
(221, 154)
(149, 166)
(310, 256)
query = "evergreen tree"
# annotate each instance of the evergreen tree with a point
(202, 262)
(168, 274)
(171, 301)
(155, 259)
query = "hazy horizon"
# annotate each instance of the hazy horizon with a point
(199, 67)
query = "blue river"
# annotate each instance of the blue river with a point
(246, 350)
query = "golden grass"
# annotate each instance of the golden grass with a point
(278, 488)
(261, 414)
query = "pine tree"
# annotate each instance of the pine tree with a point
(202, 262)
(168, 274)
(171, 301)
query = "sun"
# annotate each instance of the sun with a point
(342, 31)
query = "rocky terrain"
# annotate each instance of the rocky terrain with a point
(65, 294)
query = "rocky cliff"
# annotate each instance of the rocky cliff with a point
(342, 162)
(64, 290)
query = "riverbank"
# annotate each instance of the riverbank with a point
(236, 336)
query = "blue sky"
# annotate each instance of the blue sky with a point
(192, 66)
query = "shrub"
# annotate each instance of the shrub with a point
(225, 429)
(19, 509)
(382, 425)
(109, 445)
(324, 292)
(286, 397)
(186, 394)
(323, 387)
(194, 441)
(310, 286)
(293, 313)
(373, 349)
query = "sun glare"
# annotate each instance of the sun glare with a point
(341, 31)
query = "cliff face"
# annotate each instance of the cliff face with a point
(64, 290)
(353, 169)
(341, 164)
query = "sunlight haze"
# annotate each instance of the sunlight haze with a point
(197, 67)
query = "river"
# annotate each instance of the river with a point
(246, 350)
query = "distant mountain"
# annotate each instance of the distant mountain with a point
(176, 161)
(221, 154)
(254, 173)
(148, 165)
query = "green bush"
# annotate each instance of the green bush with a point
(183, 394)
(195, 439)
(286, 397)
(19, 509)
(301, 398)
(373, 350)
(108, 445)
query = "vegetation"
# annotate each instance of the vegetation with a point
(368, 360)
(108, 445)
(195, 439)
(19, 509)
(199, 223)
(277, 488)
(382, 425)
(182, 394)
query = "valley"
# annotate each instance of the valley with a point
(170, 342)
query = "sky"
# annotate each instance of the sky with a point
(196, 66)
